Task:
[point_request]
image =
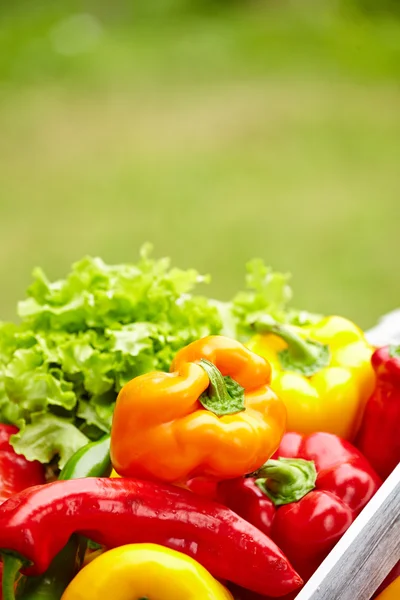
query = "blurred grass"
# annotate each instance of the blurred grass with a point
(218, 135)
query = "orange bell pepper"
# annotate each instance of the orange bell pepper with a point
(213, 415)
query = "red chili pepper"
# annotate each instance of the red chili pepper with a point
(16, 473)
(305, 509)
(379, 436)
(38, 523)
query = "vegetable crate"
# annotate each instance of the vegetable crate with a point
(365, 554)
(370, 548)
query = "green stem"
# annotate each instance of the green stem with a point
(224, 396)
(11, 566)
(301, 355)
(394, 351)
(299, 347)
(286, 480)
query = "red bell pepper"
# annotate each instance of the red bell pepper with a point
(379, 436)
(38, 522)
(16, 473)
(307, 505)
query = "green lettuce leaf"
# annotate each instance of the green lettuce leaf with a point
(83, 337)
(47, 437)
(268, 292)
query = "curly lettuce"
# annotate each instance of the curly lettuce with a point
(83, 337)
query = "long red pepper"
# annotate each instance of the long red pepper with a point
(38, 522)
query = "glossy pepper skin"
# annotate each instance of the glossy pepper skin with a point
(322, 372)
(37, 523)
(16, 473)
(145, 571)
(242, 594)
(92, 460)
(379, 436)
(162, 431)
(306, 530)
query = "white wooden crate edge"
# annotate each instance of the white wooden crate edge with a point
(365, 554)
(370, 548)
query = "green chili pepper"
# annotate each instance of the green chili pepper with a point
(93, 460)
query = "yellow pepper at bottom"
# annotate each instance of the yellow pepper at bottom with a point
(145, 571)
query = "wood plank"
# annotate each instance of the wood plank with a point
(365, 554)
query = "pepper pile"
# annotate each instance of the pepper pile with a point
(306, 496)
(234, 472)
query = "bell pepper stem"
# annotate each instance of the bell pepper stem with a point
(286, 480)
(301, 355)
(224, 396)
(11, 566)
(297, 346)
(279, 471)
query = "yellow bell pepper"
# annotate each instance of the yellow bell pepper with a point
(144, 571)
(321, 371)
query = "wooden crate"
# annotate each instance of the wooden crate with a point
(365, 554)
(370, 548)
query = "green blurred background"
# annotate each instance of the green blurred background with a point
(218, 130)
